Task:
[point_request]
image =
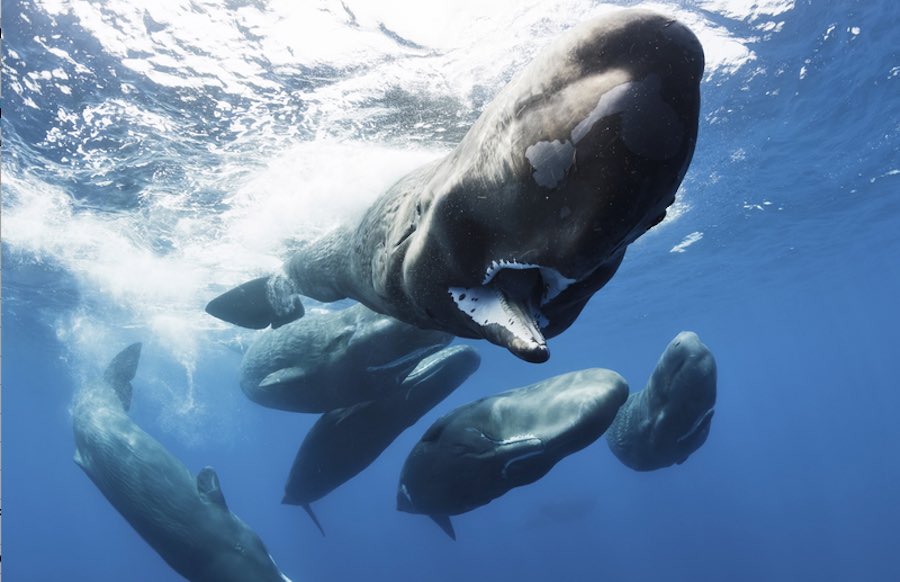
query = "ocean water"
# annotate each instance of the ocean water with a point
(156, 154)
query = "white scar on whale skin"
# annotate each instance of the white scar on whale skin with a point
(552, 159)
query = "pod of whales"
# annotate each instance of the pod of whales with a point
(505, 239)
(509, 235)
(670, 418)
(480, 451)
(185, 520)
(333, 360)
(343, 442)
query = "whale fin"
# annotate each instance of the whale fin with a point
(258, 303)
(283, 376)
(309, 511)
(397, 370)
(445, 524)
(120, 373)
(208, 487)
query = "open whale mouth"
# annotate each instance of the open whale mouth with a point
(507, 306)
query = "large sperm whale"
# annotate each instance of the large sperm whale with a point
(508, 236)
(185, 520)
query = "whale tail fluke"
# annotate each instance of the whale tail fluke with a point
(445, 524)
(258, 303)
(121, 371)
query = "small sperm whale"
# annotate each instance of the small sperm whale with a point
(670, 418)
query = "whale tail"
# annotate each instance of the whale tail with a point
(121, 371)
(258, 303)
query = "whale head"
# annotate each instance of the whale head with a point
(681, 396)
(576, 158)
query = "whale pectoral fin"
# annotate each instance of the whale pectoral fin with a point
(445, 524)
(79, 460)
(121, 371)
(397, 370)
(309, 511)
(258, 303)
(282, 377)
(208, 487)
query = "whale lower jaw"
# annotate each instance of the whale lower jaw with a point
(501, 321)
(507, 306)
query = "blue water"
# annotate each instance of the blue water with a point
(153, 157)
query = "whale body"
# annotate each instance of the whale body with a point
(186, 520)
(670, 418)
(343, 442)
(481, 450)
(333, 360)
(508, 236)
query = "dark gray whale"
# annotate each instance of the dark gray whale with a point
(185, 520)
(327, 361)
(344, 442)
(670, 418)
(509, 236)
(480, 451)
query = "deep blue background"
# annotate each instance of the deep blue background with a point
(798, 301)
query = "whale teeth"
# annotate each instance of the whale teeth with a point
(502, 321)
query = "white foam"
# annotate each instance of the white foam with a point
(688, 241)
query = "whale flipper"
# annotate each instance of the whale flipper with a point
(284, 376)
(308, 508)
(445, 524)
(208, 487)
(121, 371)
(258, 303)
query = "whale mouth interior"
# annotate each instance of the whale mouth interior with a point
(507, 306)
